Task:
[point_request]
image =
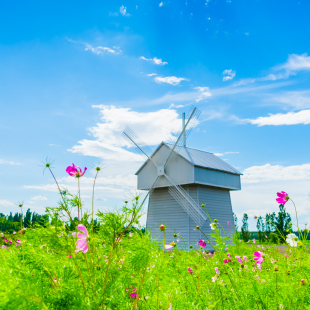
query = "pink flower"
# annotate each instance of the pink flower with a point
(14, 233)
(133, 293)
(214, 278)
(202, 243)
(254, 240)
(178, 240)
(226, 261)
(82, 242)
(190, 270)
(283, 198)
(3, 247)
(75, 171)
(228, 255)
(259, 257)
(18, 243)
(227, 223)
(245, 258)
(1, 234)
(239, 259)
(217, 270)
(5, 240)
(69, 256)
(259, 266)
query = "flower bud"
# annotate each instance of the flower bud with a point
(191, 246)
(255, 217)
(215, 220)
(202, 205)
(197, 227)
(175, 235)
(304, 281)
(162, 227)
(126, 201)
(276, 268)
(306, 230)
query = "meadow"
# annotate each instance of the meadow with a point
(77, 264)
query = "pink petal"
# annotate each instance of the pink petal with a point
(82, 228)
(81, 236)
(168, 246)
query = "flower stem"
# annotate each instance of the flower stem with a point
(92, 203)
(79, 205)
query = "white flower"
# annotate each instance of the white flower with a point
(292, 240)
(213, 226)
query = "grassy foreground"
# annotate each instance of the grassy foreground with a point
(126, 270)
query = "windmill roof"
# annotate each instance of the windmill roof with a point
(200, 158)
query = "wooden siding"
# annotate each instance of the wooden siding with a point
(217, 178)
(163, 209)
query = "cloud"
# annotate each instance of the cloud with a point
(172, 80)
(8, 162)
(155, 60)
(230, 74)
(172, 105)
(123, 11)
(108, 143)
(222, 154)
(37, 198)
(290, 118)
(5, 203)
(204, 93)
(257, 174)
(101, 50)
(152, 74)
(161, 4)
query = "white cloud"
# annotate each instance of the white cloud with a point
(204, 93)
(123, 11)
(290, 118)
(230, 74)
(152, 74)
(257, 174)
(155, 60)
(101, 49)
(161, 4)
(172, 80)
(8, 162)
(296, 63)
(222, 154)
(108, 143)
(172, 105)
(37, 198)
(5, 203)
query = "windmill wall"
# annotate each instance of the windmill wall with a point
(164, 209)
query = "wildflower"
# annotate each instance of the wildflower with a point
(292, 240)
(55, 280)
(1, 234)
(75, 171)
(14, 233)
(18, 243)
(69, 256)
(304, 281)
(259, 266)
(272, 260)
(215, 221)
(283, 198)
(175, 235)
(126, 201)
(133, 293)
(226, 261)
(245, 258)
(228, 223)
(257, 277)
(162, 227)
(202, 243)
(281, 306)
(170, 246)
(259, 257)
(239, 259)
(202, 205)
(217, 270)
(82, 242)
(190, 270)
(299, 243)
(197, 227)
(228, 255)
(276, 268)
(178, 240)
(255, 217)
(213, 226)
(254, 240)
(214, 278)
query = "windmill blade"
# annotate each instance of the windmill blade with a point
(141, 147)
(187, 202)
(192, 118)
(150, 191)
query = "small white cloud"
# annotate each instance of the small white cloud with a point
(155, 60)
(37, 198)
(230, 74)
(5, 203)
(152, 74)
(101, 49)
(204, 93)
(172, 80)
(172, 105)
(161, 4)
(8, 162)
(222, 154)
(123, 11)
(290, 118)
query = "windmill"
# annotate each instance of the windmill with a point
(177, 179)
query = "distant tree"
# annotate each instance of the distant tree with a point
(27, 219)
(236, 222)
(245, 228)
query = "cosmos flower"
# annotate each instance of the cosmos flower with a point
(14, 233)
(213, 226)
(282, 197)
(292, 240)
(217, 270)
(202, 243)
(75, 171)
(254, 240)
(82, 242)
(190, 270)
(170, 246)
(259, 257)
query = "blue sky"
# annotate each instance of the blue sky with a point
(73, 75)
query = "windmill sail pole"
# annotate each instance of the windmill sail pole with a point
(183, 126)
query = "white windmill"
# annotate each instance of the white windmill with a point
(178, 179)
